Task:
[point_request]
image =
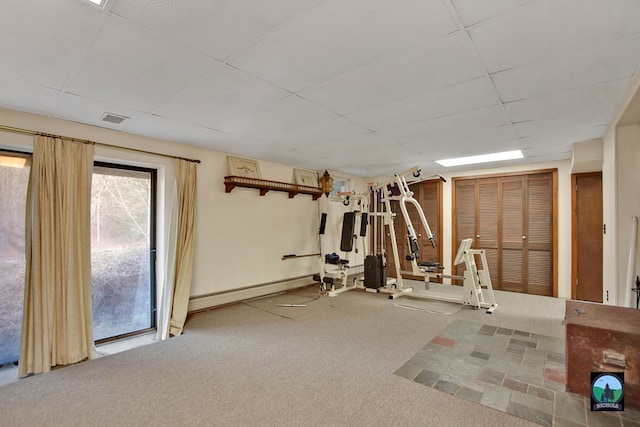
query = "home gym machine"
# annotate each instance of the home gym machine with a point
(340, 273)
(375, 264)
(474, 280)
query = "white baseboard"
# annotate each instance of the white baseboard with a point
(204, 302)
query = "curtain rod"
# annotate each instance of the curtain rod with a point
(86, 141)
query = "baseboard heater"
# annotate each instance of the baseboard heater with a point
(216, 299)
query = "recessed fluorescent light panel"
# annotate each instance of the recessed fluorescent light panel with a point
(99, 3)
(483, 158)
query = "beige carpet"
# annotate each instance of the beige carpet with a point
(297, 305)
(329, 363)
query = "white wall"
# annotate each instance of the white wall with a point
(628, 205)
(240, 236)
(620, 183)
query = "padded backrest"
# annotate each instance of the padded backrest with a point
(465, 245)
(348, 228)
(323, 222)
(364, 221)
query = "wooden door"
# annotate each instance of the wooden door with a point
(464, 214)
(513, 234)
(539, 234)
(488, 226)
(511, 217)
(477, 215)
(587, 237)
(429, 196)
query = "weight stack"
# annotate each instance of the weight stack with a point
(375, 272)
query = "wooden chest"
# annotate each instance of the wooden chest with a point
(603, 338)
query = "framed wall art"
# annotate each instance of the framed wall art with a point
(305, 177)
(246, 168)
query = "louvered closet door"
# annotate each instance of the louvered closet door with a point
(539, 234)
(511, 218)
(513, 234)
(488, 224)
(465, 216)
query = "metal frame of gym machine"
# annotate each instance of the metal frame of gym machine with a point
(474, 279)
(339, 273)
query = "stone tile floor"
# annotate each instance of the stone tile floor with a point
(517, 372)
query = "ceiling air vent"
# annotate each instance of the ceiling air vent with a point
(113, 118)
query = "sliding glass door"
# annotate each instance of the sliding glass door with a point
(122, 250)
(14, 178)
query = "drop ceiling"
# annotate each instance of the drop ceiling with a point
(366, 87)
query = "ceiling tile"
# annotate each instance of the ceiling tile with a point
(229, 143)
(554, 124)
(19, 95)
(467, 96)
(279, 117)
(474, 11)
(546, 28)
(134, 68)
(223, 95)
(377, 86)
(218, 28)
(318, 133)
(388, 155)
(322, 164)
(363, 143)
(592, 98)
(166, 129)
(462, 143)
(471, 120)
(78, 109)
(300, 159)
(548, 157)
(444, 62)
(542, 150)
(358, 150)
(586, 67)
(338, 36)
(41, 41)
(563, 137)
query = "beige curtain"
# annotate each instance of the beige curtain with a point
(57, 324)
(186, 185)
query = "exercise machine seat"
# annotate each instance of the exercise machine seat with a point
(431, 264)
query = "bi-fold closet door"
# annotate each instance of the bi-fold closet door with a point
(511, 217)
